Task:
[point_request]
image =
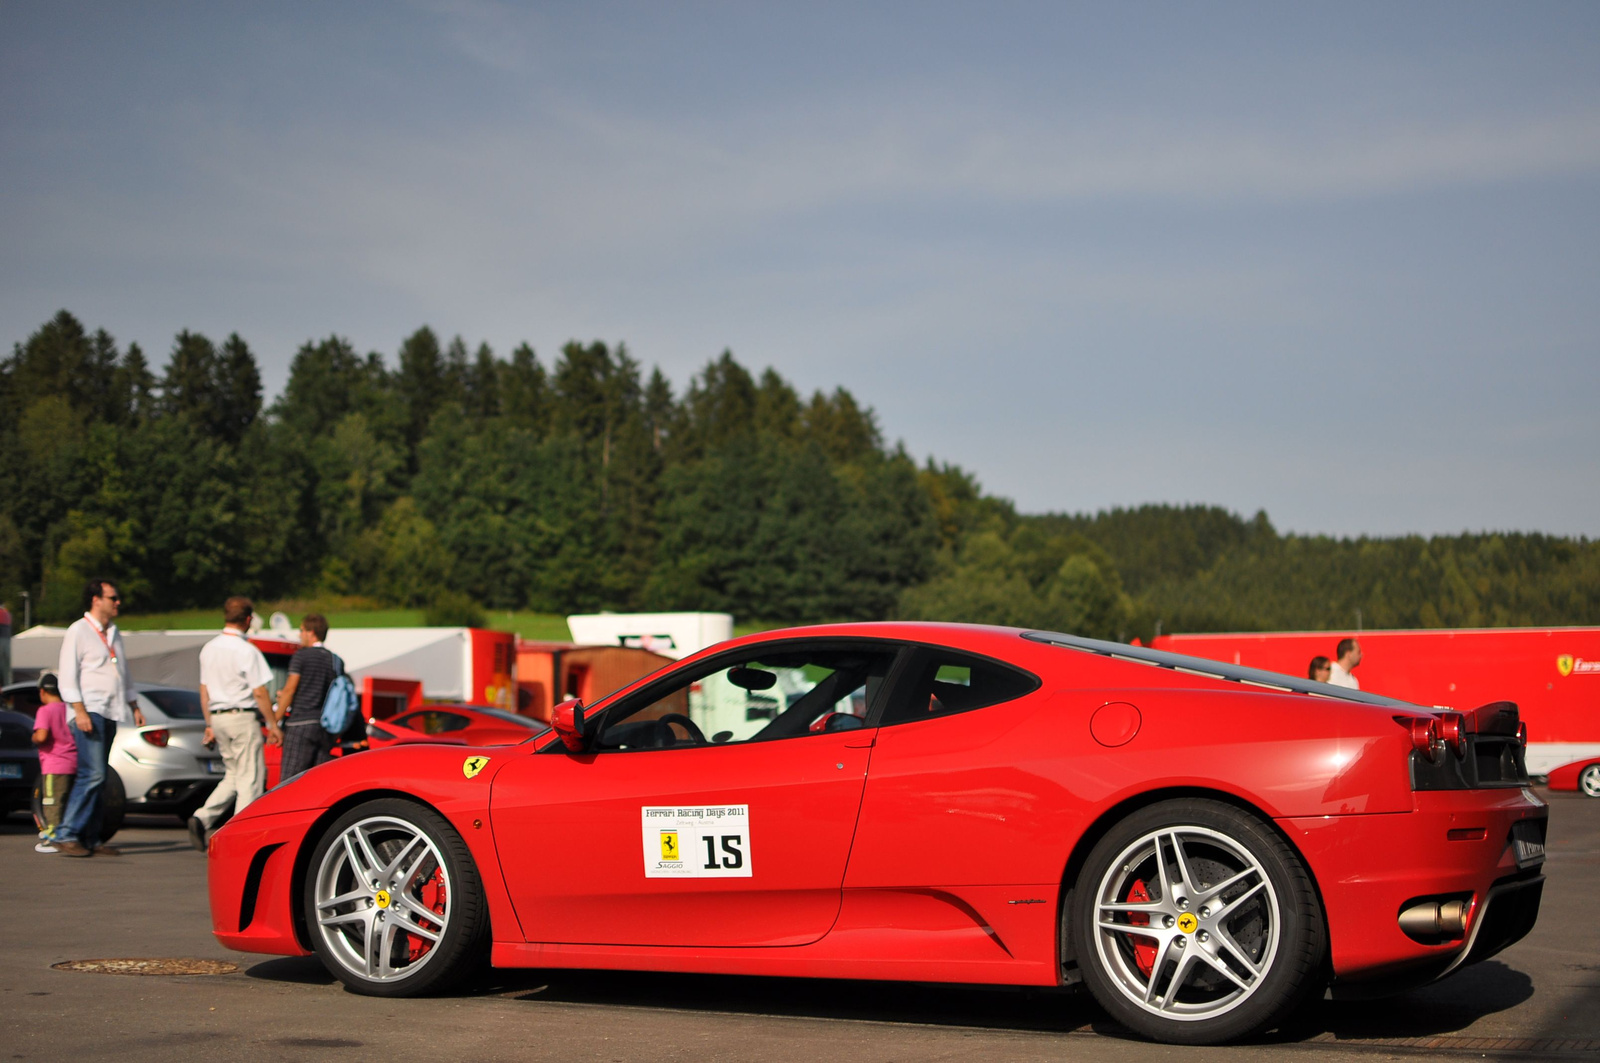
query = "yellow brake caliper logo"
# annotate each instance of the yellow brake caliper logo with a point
(1187, 922)
(382, 898)
(473, 765)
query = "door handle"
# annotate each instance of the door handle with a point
(864, 742)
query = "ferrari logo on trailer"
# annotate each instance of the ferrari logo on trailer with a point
(1564, 664)
(669, 845)
(473, 765)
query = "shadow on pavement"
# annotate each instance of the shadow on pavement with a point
(1440, 1008)
(1433, 1010)
(943, 1005)
(300, 970)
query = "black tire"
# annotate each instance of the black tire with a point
(1245, 966)
(389, 826)
(114, 805)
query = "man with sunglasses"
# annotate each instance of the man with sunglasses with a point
(93, 678)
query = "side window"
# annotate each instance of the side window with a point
(786, 693)
(949, 683)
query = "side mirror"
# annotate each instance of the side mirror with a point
(566, 719)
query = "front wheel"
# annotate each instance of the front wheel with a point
(393, 901)
(1589, 781)
(1194, 923)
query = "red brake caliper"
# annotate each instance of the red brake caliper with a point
(433, 898)
(1144, 949)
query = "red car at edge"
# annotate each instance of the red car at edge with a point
(1200, 845)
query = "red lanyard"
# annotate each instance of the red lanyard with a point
(103, 641)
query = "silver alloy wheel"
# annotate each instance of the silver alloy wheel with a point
(383, 899)
(1208, 930)
(1589, 780)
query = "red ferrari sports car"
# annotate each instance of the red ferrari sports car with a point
(1201, 845)
(1580, 775)
(455, 725)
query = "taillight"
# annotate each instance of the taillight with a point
(1425, 737)
(159, 736)
(1453, 732)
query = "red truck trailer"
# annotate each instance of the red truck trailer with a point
(1553, 674)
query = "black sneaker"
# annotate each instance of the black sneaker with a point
(197, 833)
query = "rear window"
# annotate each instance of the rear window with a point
(178, 704)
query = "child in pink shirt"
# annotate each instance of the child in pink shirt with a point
(58, 759)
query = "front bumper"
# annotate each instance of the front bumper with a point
(1455, 843)
(251, 871)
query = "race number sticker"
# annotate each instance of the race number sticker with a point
(704, 841)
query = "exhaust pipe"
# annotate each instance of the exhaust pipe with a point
(1434, 919)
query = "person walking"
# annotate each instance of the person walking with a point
(93, 676)
(233, 688)
(58, 760)
(1320, 669)
(1346, 657)
(312, 671)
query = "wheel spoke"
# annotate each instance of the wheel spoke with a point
(1216, 964)
(1175, 983)
(1213, 892)
(410, 873)
(1185, 879)
(411, 916)
(1239, 954)
(1233, 905)
(343, 898)
(1161, 872)
(347, 917)
(393, 865)
(1157, 907)
(367, 946)
(372, 862)
(1163, 953)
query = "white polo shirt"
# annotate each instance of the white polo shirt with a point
(1341, 678)
(231, 669)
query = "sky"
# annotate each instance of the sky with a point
(1338, 261)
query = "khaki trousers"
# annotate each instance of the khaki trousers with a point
(239, 740)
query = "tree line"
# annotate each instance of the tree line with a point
(458, 479)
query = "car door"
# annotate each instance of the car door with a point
(661, 836)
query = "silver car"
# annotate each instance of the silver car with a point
(161, 767)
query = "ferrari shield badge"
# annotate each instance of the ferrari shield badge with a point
(1564, 664)
(473, 765)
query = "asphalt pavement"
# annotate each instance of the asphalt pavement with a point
(1538, 1000)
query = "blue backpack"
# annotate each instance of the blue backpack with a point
(341, 707)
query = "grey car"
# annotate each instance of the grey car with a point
(161, 767)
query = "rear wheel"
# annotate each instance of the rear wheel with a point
(1194, 923)
(1589, 781)
(393, 901)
